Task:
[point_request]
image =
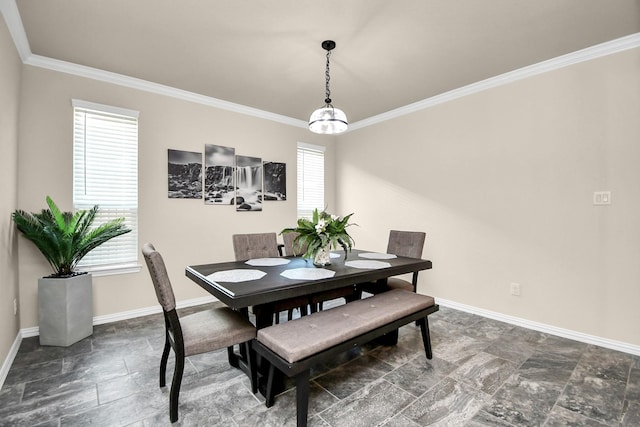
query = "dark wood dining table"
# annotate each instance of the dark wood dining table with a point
(263, 292)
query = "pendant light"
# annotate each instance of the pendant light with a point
(328, 120)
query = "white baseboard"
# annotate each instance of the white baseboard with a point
(553, 330)
(8, 361)
(541, 327)
(124, 315)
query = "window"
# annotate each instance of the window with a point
(105, 173)
(310, 179)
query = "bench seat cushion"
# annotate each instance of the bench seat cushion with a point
(308, 335)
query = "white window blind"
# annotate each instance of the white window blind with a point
(310, 179)
(105, 173)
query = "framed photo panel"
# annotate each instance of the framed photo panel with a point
(248, 183)
(275, 181)
(184, 174)
(219, 163)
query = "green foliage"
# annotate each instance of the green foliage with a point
(323, 229)
(64, 238)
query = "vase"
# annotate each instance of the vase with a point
(65, 309)
(322, 257)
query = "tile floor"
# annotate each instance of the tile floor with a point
(484, 373)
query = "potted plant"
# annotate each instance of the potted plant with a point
(65, 298)
(321, 234)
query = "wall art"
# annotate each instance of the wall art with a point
(275, 181)
(248, 183)
(185, 174)
(219, 165)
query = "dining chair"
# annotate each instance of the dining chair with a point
(200, 332)
(289, 249)
(255, 245)
(316, 301)
(402, 243)
(265, 245)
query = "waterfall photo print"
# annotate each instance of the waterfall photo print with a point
(218, 181)
(248, 183)
(275, 181)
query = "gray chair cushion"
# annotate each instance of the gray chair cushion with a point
(213, 329)
(396, 283)
(311, 334)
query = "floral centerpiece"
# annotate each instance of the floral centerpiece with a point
(316, 237)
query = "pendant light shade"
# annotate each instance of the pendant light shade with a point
(328, 119)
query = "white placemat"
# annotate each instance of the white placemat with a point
(334, 255)
(308, 273)
(267, 262)
(367, 264)
(377, 255)
(236, 275)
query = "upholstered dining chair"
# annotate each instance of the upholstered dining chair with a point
(288, 239)
(255, 245)
(201, 332)
(265, 245)
(316, 301)
(402, 243)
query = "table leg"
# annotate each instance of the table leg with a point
(264, 317)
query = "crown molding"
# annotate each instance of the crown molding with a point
(608, 48)
(159, 89)
(11, 15)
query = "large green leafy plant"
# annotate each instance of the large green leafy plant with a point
(64, 238)
(323, 229)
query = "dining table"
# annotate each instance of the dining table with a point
(261, 282)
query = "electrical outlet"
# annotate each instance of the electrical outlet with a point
(15, 306)
(515, 289)
(602, 197)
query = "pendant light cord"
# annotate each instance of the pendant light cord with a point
(327, 77)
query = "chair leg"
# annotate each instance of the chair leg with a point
(426, 338)
(302, 398)
(232, 357)
(163, 362)
(175, 388)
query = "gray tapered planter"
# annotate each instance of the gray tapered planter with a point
(65, 309)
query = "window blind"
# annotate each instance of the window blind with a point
(310, 164)
(105, 173)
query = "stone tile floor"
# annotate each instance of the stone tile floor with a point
(484, 373)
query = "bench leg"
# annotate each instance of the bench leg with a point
(426, 338)
(268, 395)
(302, 398)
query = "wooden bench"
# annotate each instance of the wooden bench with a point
(295, 346)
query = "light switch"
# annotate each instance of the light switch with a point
(602, 197)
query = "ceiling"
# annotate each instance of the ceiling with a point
(267, 54)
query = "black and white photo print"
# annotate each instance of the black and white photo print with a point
(248, 183)
(185, 174)
(275, 181)
(218, 182)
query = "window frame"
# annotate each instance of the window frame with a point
(131, 263)
(314, 152)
